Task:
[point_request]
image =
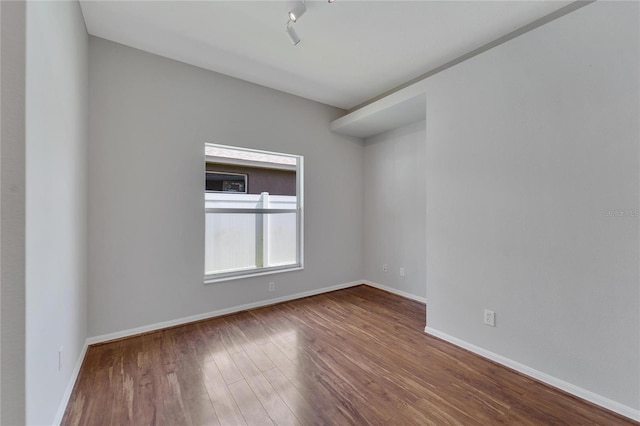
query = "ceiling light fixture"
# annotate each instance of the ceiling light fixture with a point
(331, 1)
(298, 10)
(293, 36)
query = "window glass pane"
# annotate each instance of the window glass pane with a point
(230, 242)
(282, 239)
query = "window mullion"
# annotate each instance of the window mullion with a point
(247, 211)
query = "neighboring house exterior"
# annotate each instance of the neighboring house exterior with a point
(260, 179)
(265, 172)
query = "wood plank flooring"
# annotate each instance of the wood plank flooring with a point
(352, 357)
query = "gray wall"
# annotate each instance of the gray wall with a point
(395, 209)
(149, 120)
(56, 201)
(528, 146)
(12, 226)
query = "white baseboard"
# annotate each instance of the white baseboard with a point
(213, 314)
(396, 291)
(72, 382)
(543, 377)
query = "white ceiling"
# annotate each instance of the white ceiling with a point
(351, 51)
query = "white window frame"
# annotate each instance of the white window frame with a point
(299, 210)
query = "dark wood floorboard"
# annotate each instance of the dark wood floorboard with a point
(351, 357)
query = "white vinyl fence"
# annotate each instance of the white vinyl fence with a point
(237, 241)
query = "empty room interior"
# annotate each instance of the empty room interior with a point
(319, 212)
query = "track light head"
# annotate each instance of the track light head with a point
(298, 10)
(293, 36)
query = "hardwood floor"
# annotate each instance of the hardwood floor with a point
(354, 356)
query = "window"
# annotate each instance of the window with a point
(253, 212)
(225, 182)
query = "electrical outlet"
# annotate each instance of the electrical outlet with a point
(489, 318)
(60, 358)
(402, 272)
(272, 286)
(385, 268)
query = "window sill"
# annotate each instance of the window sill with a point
(217, 278)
